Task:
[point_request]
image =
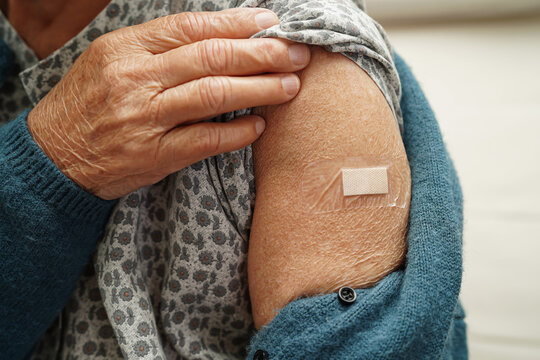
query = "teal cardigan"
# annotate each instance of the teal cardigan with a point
(49, 228)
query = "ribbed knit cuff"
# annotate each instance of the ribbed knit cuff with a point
(30, 164)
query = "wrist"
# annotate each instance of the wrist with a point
(29, 169)
(56, 146)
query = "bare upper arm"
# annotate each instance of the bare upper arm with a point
(340, 112)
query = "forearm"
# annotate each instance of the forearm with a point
(293, 252)
(48, 229)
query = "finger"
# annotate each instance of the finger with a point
(186, 145)
(170, 32)
(211, 96)
(229, 57)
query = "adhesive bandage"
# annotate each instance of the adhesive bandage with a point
(367, 181)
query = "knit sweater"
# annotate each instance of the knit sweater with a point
(49, 227)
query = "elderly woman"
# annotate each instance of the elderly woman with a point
(117, 150)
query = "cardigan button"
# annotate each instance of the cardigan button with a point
(261, 355)
(347, 295)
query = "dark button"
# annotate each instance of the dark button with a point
(261, 355)
(347, 295)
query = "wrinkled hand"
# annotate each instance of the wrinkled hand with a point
(129, 111)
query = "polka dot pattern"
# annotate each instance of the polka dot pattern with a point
(168, 279)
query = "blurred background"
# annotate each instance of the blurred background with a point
(478, 62)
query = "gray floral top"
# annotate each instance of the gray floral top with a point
(168, 278)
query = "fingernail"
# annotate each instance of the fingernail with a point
(266, 19)
(290, 84)
(298, 54)
(260, 125)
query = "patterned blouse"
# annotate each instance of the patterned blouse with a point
(169, 278)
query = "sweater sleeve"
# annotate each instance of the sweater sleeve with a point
(413, 313)
(48, 229)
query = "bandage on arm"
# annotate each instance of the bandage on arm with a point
(340, 113)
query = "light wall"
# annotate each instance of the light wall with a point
(413, 11)
(483, 82)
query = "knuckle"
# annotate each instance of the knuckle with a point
(164, 155)
(214, 92)
(207, 140)
(130, 76)
(227, 20)
(190, 25)
(99, 46)
(272, 52)
(111, 74)
(215, 55)
(103, 49)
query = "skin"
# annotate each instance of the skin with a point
(148, 89)
(295, 252)
(46, 25)
(110, 139)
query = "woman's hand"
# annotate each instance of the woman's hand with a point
(129, 111)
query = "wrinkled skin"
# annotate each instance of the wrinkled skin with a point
(295, 251)
(127, 114)
(129, 111)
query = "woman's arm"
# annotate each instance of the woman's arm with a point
(48, 229)
(339, 113)
(414, 312)
(72, 140)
